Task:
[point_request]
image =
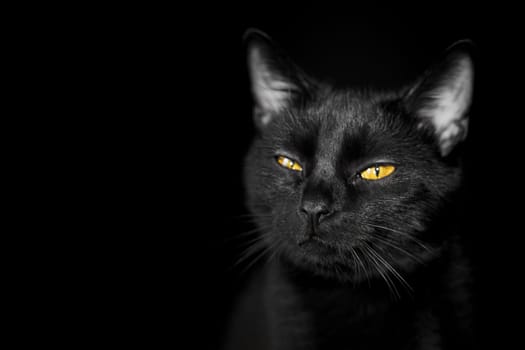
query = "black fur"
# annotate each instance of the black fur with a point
(382, 267)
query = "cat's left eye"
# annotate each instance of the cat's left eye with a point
(377, 172)
(288, 163)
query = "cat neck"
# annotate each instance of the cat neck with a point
(320, 292)
(332, 312)
(310, 285)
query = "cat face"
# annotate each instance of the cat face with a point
(349, 184)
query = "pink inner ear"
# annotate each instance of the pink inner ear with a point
(452, 99)
(449, 105)
(271, 90)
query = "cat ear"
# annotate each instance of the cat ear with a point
(442, 97)
(276, 81)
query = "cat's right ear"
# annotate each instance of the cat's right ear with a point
(276, 82)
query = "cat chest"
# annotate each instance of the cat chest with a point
(334, 321)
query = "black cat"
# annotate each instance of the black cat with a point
(355, 196)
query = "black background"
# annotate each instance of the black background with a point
(179, 123)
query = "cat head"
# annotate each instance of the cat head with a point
(346, 180)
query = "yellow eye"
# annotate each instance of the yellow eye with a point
(289, 164)
(377, 172)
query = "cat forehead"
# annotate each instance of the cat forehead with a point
(342, 113)
(340, 122)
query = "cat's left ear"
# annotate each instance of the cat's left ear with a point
(442, 97)
(277, 83)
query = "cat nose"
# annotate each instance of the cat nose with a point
(316, 211)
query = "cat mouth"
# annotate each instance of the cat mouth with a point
(309, 239)
(314, 245)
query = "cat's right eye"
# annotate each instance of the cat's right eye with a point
(288, 163)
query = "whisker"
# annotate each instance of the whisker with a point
(389, 267)
(253, 240)
(275, 251)
(357, 268)
(244, 234)
(258, 248)
(258, 231)
(362, 264)
(393, 244)
(404, 234)
(255, 230)
(255, 244)
(390, 284)
(360, 267)
(251, 218)
(252, 263)
(249, 252)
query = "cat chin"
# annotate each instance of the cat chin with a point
(323, 269)
(320, 261)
